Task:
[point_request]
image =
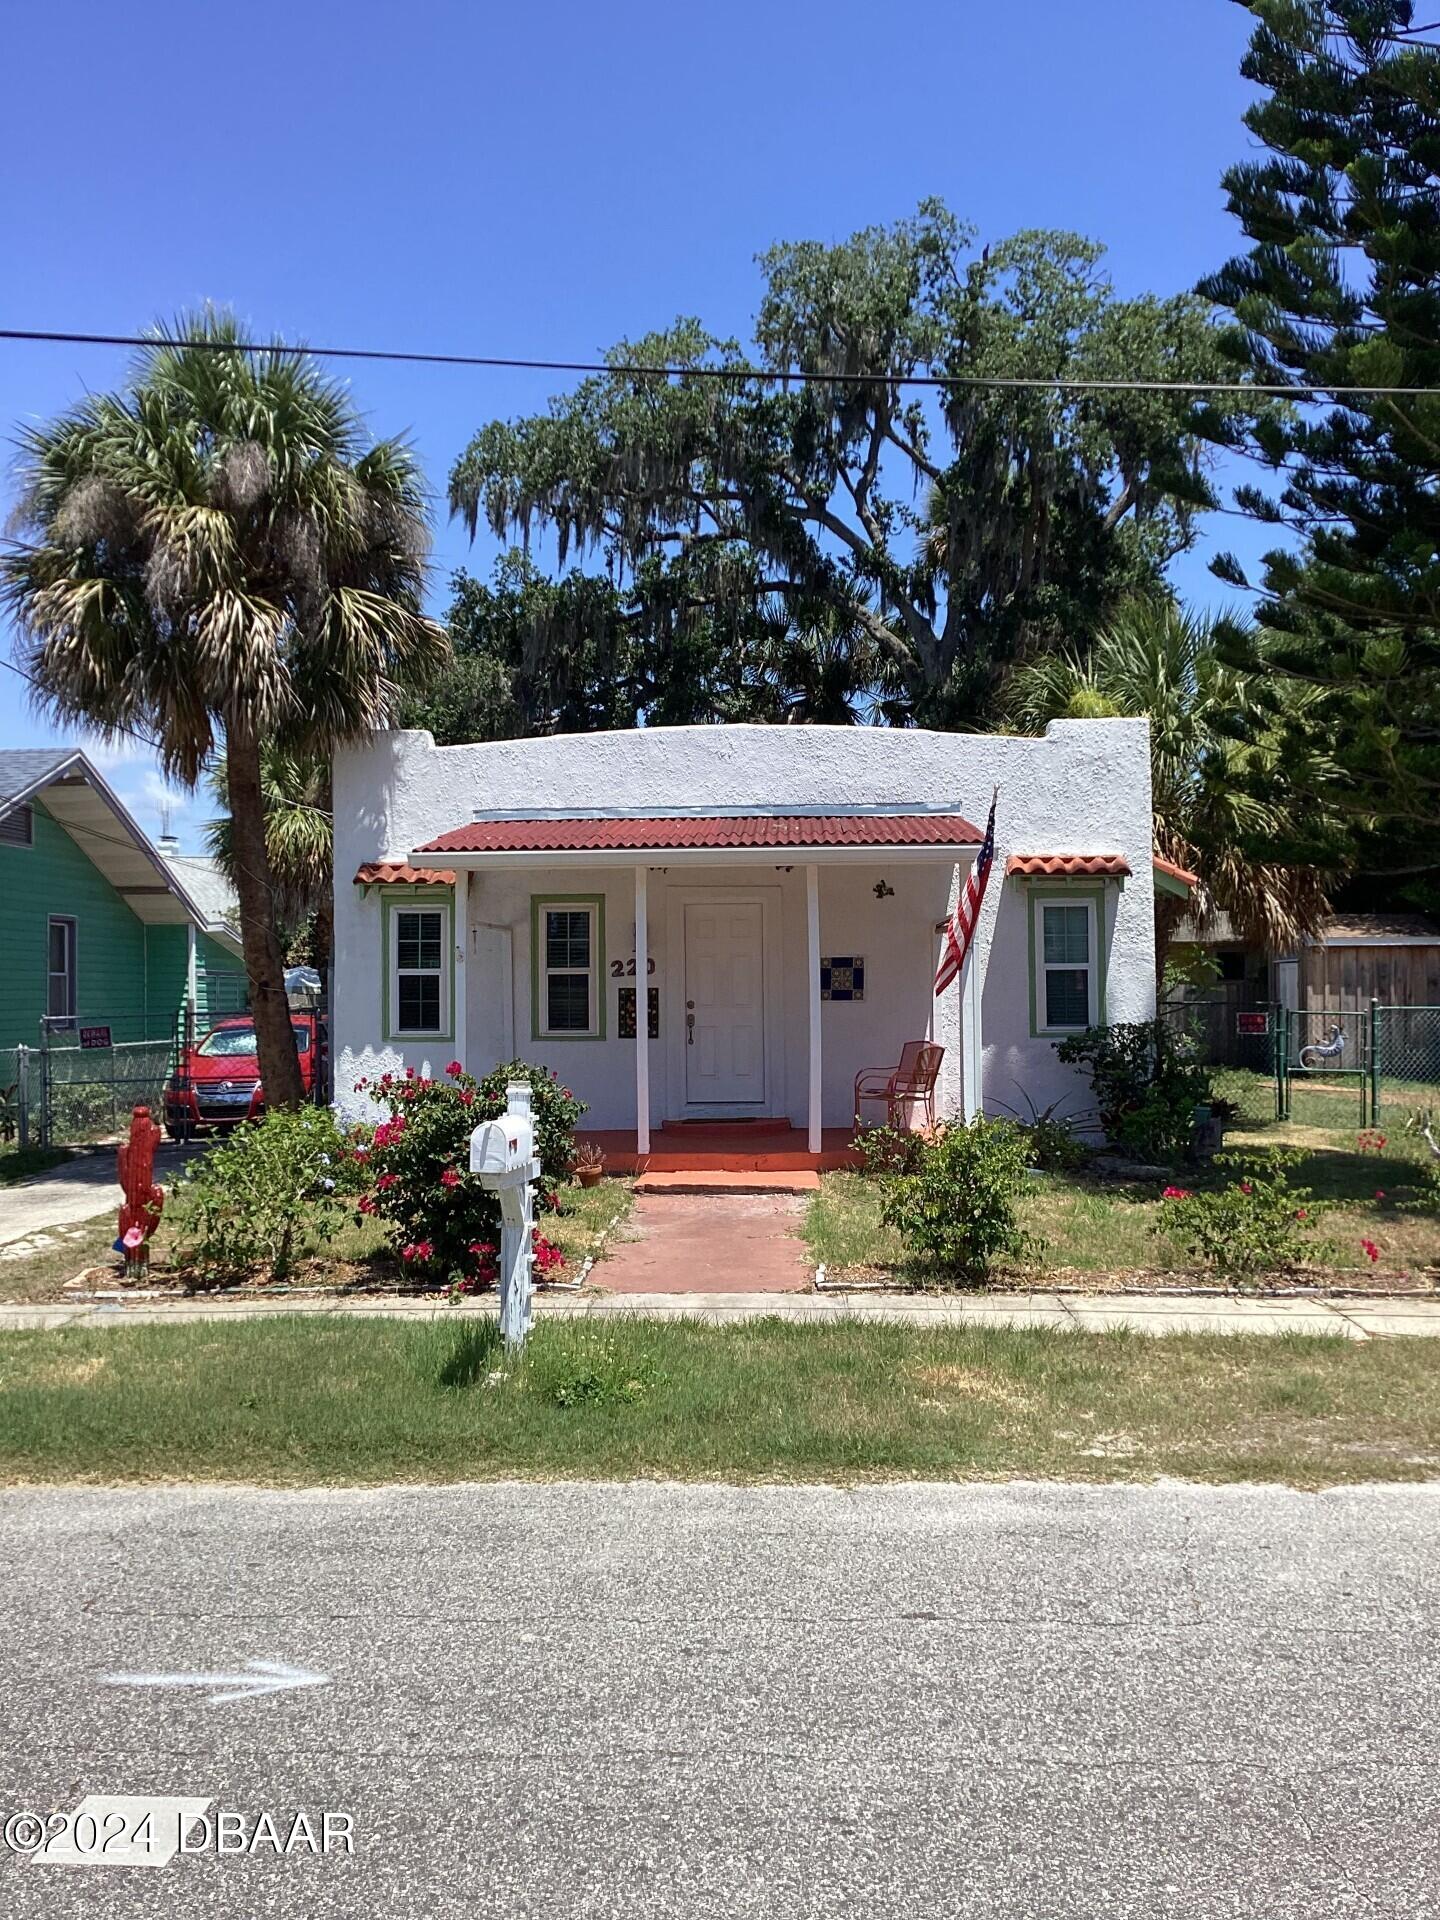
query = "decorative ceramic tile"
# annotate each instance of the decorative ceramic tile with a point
(842, 977)
(625, 1026)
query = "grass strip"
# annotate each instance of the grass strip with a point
(304, 1401)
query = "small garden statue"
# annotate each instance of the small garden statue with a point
(140, 1214)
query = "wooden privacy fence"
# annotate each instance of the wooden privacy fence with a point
(1347, 978)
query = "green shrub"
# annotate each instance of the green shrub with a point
(252, 1199)
(1148, 1081)
(958, 1207)
(444, 1225)
(883, 1151)
(1257, 1223)
(1054, 1144)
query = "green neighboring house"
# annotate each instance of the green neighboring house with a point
(98, 926)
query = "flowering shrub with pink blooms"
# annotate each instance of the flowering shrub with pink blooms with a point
(442, 1222)
(1256, 1224)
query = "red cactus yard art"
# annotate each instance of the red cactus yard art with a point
(140, 1213)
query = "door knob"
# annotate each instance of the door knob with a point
(690, 1027)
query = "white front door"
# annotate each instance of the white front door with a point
(724, 1004)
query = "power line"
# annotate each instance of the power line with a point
(111, 727)
(770, 376)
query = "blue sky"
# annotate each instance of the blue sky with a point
(543, 180)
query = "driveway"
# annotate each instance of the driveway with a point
(698, 1701)
(78, 1190)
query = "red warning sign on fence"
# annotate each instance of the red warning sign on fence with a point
(1252, 1023)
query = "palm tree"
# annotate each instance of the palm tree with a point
(216, 555)
(299, 838)
(1210, 753)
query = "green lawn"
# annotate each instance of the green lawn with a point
(297, 1402)
(1093, 1227)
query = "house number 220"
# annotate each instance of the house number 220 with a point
(625, 969)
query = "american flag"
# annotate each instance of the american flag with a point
(960, 930)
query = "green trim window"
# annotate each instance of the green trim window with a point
(419, 965)
(1067, 960)
(567, 967)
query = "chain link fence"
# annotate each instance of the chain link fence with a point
(1406, 1063)
(91, 1072)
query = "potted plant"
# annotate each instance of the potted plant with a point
(589, 1164)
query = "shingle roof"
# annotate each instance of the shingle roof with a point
(1380, 927)
(206, 884)
(24, 768)
(1068, 866)
(652, 833)
(399, 873)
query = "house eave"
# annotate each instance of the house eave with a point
(587, 858)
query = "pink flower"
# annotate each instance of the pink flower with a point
(366, 1203)
(409, 1073)
(1177, 1193)
(449, 1178)
(1301, 1213)
(467, 1099)
(1379, 1193)
(386, 1181)
(362, 1153)
(360, 1085)
(1245, 1187)
(133, 1238)
(1370, 1251)
(454, 1069)
(417, 1250)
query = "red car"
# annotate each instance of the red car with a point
(218, 1082)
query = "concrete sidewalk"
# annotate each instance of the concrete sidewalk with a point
(1360, 1319)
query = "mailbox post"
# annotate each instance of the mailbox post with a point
(502, 1154)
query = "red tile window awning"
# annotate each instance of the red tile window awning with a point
(651, 833)
(399, 873)
(1185, 878)
(1069, 866)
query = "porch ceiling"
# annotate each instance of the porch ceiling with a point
(726, 838)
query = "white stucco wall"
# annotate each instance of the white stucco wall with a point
(1083, 788)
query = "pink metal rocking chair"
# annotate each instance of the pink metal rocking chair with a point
(906, 1086)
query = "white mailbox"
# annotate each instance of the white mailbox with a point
(502, 1154)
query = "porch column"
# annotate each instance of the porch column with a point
(973, 1058)
(642, 1011)
(461, 934)
(812, 943)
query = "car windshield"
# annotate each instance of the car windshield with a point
(226, 1043)
(230, 1043)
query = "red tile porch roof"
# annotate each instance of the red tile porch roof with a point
(1068, 866)
(650, 833)
(1181, 874)
(399, 873)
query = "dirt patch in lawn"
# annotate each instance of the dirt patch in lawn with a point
(970, 1383)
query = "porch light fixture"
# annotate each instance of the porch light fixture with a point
(883, 890)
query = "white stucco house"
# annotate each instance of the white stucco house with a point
(780, 891)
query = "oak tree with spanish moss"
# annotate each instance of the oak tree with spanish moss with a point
(936, 537)
(219, 556)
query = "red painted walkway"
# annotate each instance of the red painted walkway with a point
(716, 1243)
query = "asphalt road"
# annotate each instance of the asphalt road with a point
(657, 1700)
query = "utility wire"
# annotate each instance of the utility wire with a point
(773, 376)
(113, 727)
